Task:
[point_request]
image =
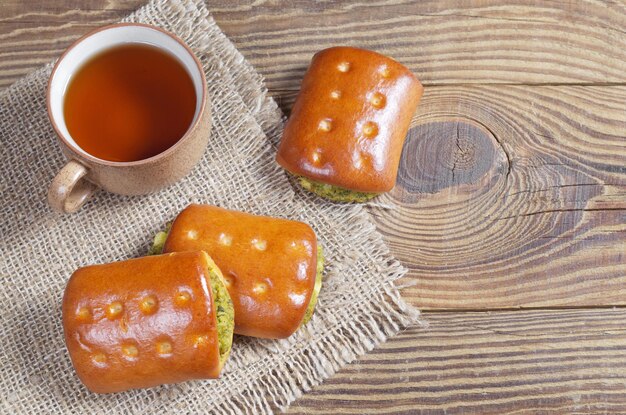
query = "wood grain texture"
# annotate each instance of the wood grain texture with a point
(444, 42)
(524, 362)
(513, 197)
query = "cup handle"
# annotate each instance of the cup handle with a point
(70, 189)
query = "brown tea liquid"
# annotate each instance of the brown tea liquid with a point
(129, 103)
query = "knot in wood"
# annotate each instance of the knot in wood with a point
(442, 154)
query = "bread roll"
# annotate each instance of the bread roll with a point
(347, 127)
(147, 321)
(270, 265)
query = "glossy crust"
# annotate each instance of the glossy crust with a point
(350, 119)
(269, 264)
(142, 322)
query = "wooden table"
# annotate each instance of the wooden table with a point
(510, 209)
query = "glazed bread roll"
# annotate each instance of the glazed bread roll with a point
(272, 266)
(147, 321)
(347, 127)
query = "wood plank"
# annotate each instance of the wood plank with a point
(511, 196)
(444, 42)
(520, 362)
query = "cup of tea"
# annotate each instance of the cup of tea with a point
(131, 111)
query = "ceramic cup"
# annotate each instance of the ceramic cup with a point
(83, 174)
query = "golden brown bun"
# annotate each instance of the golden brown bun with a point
(269, 264)
(142, 322)
(350, 119)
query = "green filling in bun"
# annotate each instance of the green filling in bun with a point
(224, 310)
(318, 286)
(159, 241)
(337, 194)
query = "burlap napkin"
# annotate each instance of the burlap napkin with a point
(359, 305)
